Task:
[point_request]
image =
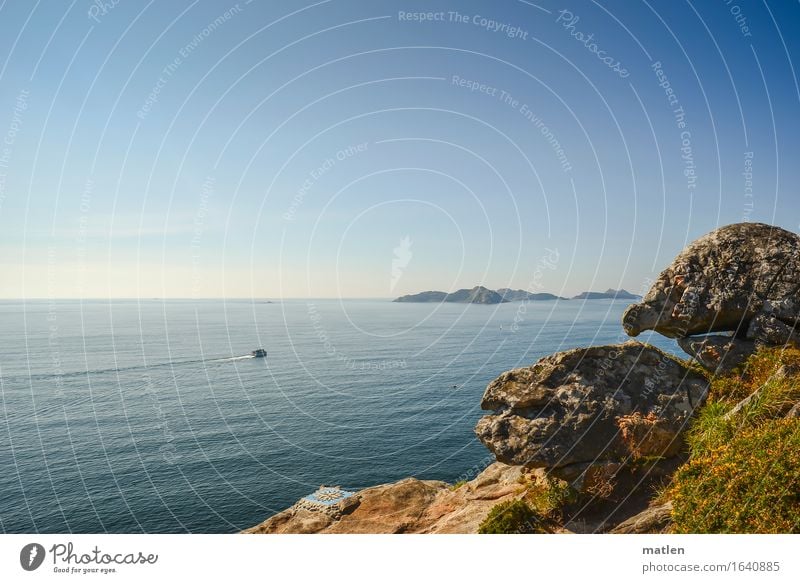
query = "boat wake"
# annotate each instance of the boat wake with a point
(232, 358)
(129, 369)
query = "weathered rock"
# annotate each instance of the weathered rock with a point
(721, 281)
(786, 309)
(594, 405)
(462, 509)
(408, 506)
(389, 508)
(653, 520)
(718, 354)
(294, 520)
(767, 330)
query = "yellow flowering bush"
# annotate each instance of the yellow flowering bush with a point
(743, 472)
(750, 484)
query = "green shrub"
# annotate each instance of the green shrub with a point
(512, 517)
(548, 498)
(710, 428)
(749, 483)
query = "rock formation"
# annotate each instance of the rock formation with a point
(590, 406)
(766, 329)
(743, 279)
(721, 282)
(718, 354)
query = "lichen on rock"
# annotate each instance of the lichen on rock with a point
(579, 407)
(721, 281)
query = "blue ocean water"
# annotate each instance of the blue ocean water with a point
(148, 416)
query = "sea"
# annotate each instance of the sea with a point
(152, 416)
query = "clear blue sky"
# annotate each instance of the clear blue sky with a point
(275, 149)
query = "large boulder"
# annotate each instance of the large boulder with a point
(602, 405)
(721, 282)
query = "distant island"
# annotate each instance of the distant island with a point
(482, 295)
(518, 295)
(609, 294)
(476, 295)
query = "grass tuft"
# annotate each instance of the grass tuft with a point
(743, 473)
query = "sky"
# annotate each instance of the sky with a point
(376, 148)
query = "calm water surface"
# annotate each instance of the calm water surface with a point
(148, 416)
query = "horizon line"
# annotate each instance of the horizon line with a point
(262, 299)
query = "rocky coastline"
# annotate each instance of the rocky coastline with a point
(624, 438)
